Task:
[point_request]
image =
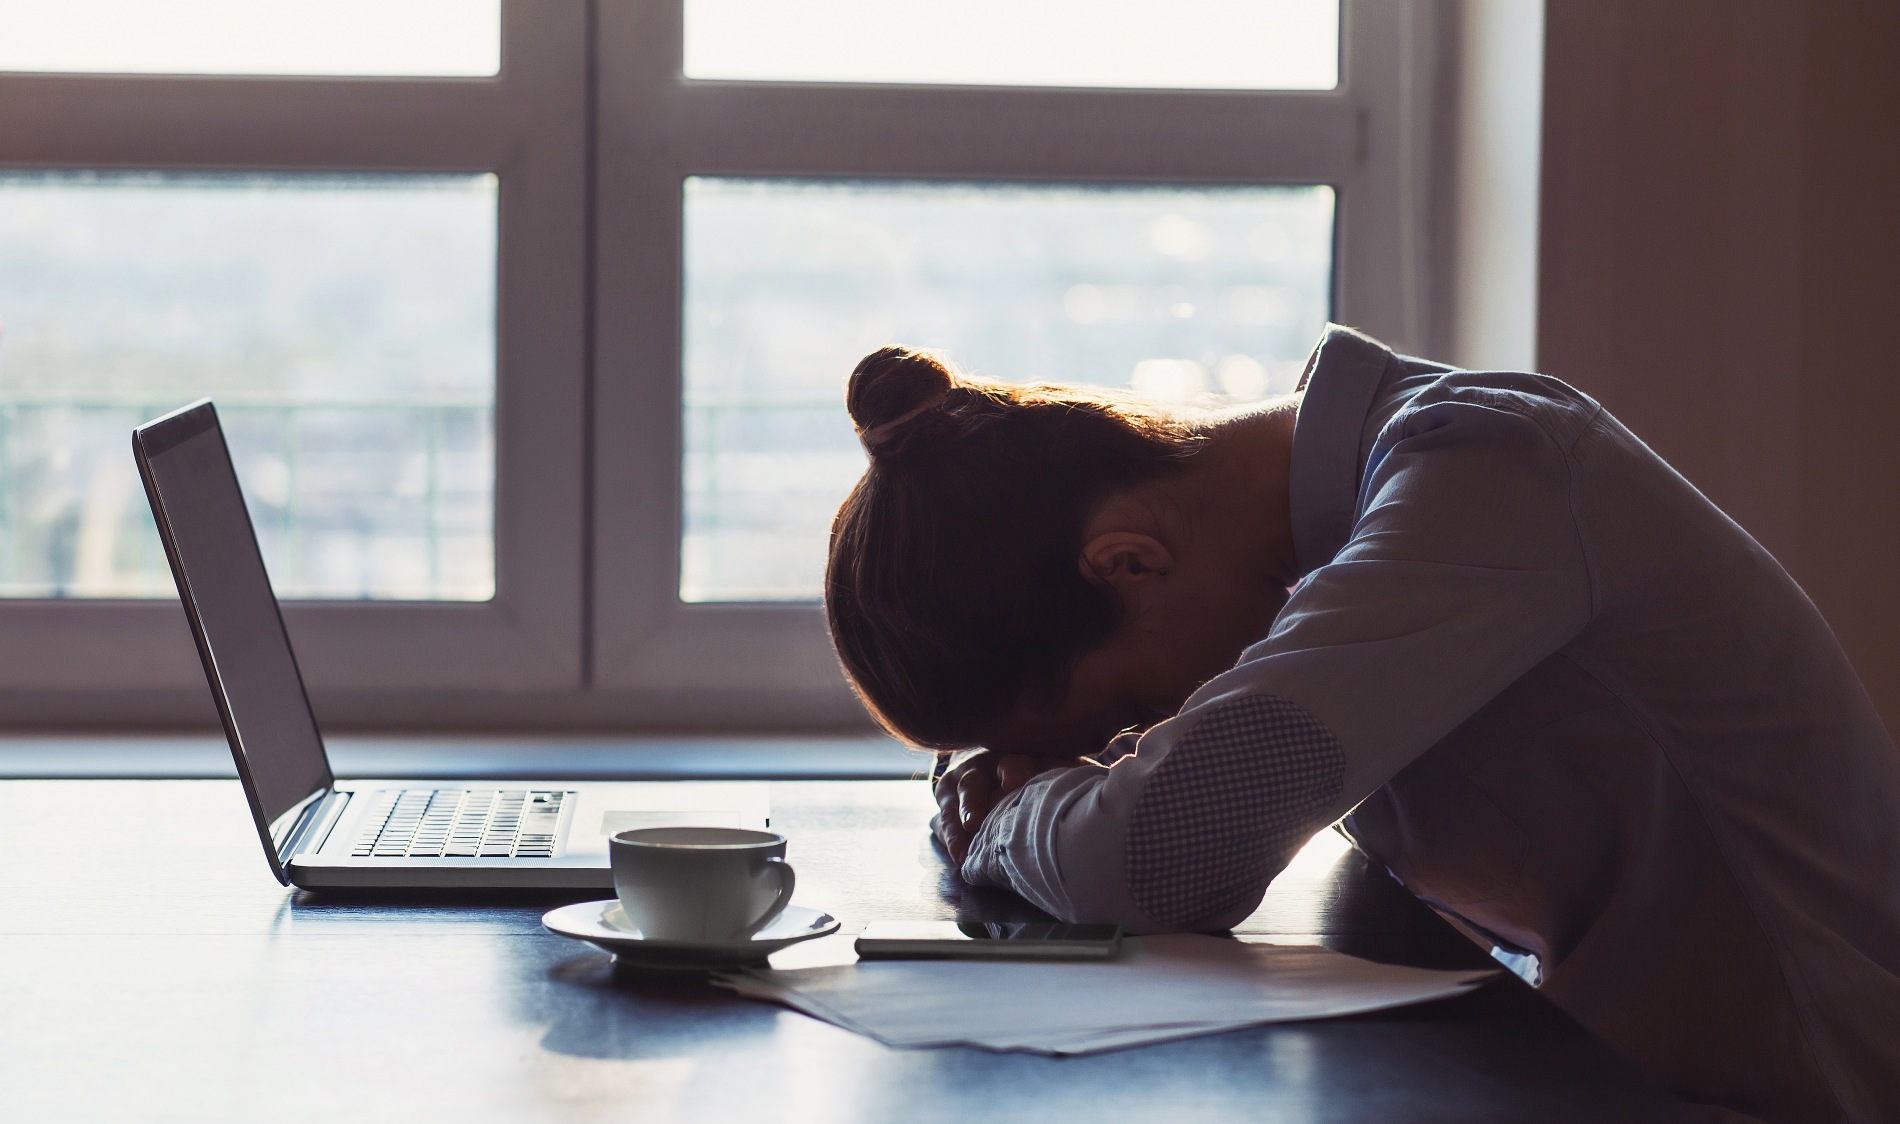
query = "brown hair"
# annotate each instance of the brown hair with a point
(953, 591)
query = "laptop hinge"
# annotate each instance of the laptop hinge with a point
(310, 825)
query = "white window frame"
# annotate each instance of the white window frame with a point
(75, 661)
(707, 664)
(593, 130)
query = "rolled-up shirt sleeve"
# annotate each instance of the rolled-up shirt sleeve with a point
(1465, 568)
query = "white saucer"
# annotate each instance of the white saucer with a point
(603, 925)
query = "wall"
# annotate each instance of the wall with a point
(1496, 89)
(1720, 265)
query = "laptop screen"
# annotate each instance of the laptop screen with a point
(220, 575)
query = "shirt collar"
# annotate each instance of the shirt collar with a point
(1342, 379)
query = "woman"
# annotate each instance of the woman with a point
(1545, 682)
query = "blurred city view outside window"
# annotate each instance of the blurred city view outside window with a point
(343, 324)
(438, 38)
(1126, 44)
(1210, 294)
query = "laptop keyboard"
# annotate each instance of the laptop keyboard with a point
(460, 823)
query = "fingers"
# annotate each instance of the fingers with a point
(950, 824)
(968, 792)
(955, 840)
(965, 795)
(1015, 771)
(950, 827)
(976, 791)
(948, 781)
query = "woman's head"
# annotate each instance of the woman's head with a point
(953, 590)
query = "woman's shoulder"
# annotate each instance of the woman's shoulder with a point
(1479, 402)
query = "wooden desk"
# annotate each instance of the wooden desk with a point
(151, 969)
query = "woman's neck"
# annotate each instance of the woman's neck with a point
(1228, 506)
(1245, 470)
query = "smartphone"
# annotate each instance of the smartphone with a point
(988, 940)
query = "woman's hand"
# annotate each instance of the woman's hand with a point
(972, 787)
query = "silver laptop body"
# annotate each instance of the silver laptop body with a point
(318, 831)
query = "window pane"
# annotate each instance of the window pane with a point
(343, 325)
(421, 37)
(1182, 44)
(1178, 292)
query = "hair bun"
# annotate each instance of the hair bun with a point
(890, 388)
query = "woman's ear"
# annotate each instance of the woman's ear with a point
(1130, 563)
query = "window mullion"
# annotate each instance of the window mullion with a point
(972, 133)
(256, 123)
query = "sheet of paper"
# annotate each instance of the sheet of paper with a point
(1163, 988)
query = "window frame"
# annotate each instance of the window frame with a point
(592, 130)
(680, 663)
(74, 660)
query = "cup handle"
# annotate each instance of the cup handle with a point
(786, 881)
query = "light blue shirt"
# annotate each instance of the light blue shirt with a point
(1561, 697)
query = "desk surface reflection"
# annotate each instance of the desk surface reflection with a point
(151, 969)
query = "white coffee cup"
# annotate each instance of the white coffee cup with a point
(700, 883)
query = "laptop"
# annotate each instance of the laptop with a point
(320, 832)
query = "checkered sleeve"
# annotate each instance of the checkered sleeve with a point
(1232, 800)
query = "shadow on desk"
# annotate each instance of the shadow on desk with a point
(176, 979)
(1463, 1058)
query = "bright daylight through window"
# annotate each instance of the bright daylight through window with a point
(353, 37)
(344, 326)
(1182, 44)
(1180, 293)
(529, 321)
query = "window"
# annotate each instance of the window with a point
(529, 320)
(1178, 292)
(379, 272)
(344, 325)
